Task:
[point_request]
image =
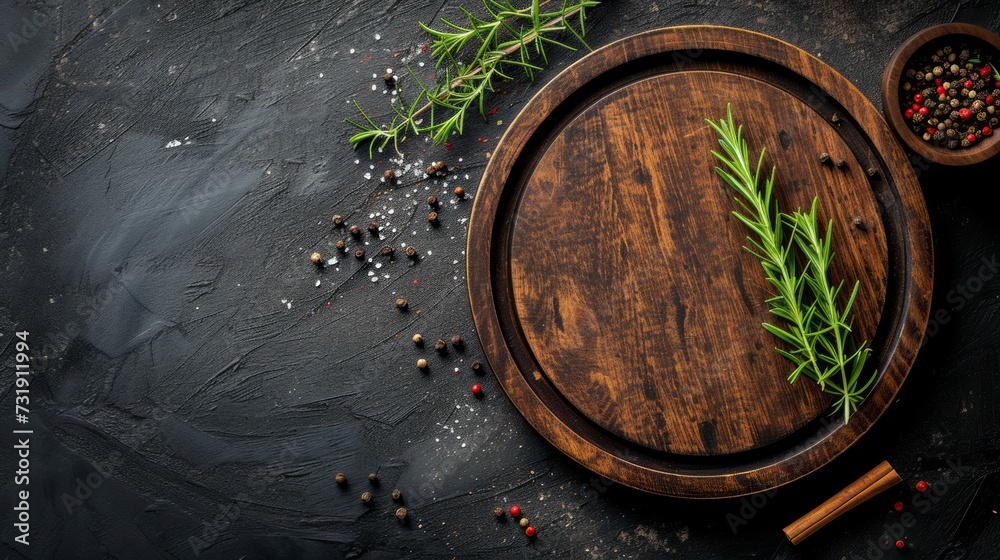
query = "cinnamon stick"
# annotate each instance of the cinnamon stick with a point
(874, 482)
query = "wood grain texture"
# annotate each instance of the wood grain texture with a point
(937, 35)
(608, 284)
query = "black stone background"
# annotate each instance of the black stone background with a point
(177, 397)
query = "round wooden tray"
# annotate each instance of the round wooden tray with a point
(608, 281)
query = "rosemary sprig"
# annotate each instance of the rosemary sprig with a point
(817, 333)
(502, 40)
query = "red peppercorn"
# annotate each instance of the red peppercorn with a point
(477, 390)
(515, 511)
(931, 130)
(964, 113)
(908, 114)
(900, 544)
(987, 131)
(971, 138)
(898, 506)
(529, 532)
(924, 111)
(989, 99)
(968, 84)
(917, 98)
(915, 107)
(984, 71)
(941, 90)
(938, 82)
(921, 486)
(998, 84)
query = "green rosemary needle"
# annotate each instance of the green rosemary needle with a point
(504, 39)
(817, 335)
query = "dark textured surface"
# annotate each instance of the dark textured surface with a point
(155, 283)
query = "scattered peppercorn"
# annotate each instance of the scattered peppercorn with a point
(389, 176)
(440, 345)
(359, 254)
(355, 230)
(436, 167)
(477, 367)
(366, 497)
(373, 478)
(341, 246)
(524, 522)
(498, 512)
(900, 544)
(418, 339)
(459, 192)
(373, 228)
(396, 494)
(456, 341)
(841, 162)
(411, 251)
(824, 158)
(402, 303)
(529, 532)
(338, 221)
(401, 513)
(872, 171)
(432, 201)
(390, 80)
(835, 117)
(387, 251)
(422, 363)
(515, 511)
(922, 486)
(432, 217)
(898, 506)
(477, 390)
(341, 478)
(317, 259)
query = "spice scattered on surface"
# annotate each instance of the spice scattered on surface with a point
(440, 345)
(418, 339)
(373, 477)
(396, 494)
(341, 246)
(432, 201)
(387, 251)
(498, 512)
(900, 544)
(401, 513)
(366, 497)
(523, 522)
(477, 390)
(355, 230)
(422, 363)
(389, 176)
(389, 79)
(456, 341)
(477, 367)
(459, 192)
(411, 251)
(824, 158)
(373, 228)
(437, 167)
(515, 511)
(898, 506)
(340, 478)
(402, 303)
(922, 486)
(359, 254)
(338, 221)
(317, 259)
(432, 217)
(841, 162)
(529, 532)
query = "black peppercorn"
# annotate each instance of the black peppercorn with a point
(872, 171)
(824, 158)
(341, 246)
(366, 497)
(401, 513)
(440, 345)
(841, 162)
(860, 224)
(411, 251)
(373, 228)
(373, 478)
(396, 494)
(354, 230)
(402, 303)
(432, 217)
(387, 251)
(498, 512)
(835, 117)
(477, 367)
(432, 201)
(456, 341)
(459, 192)
(338, 221)
(389, 176)
(340, 478)
(390, 80)
(359, 254)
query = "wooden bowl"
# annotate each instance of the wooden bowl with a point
(958, 32)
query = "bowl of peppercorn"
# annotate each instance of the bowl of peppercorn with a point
(941, 93)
